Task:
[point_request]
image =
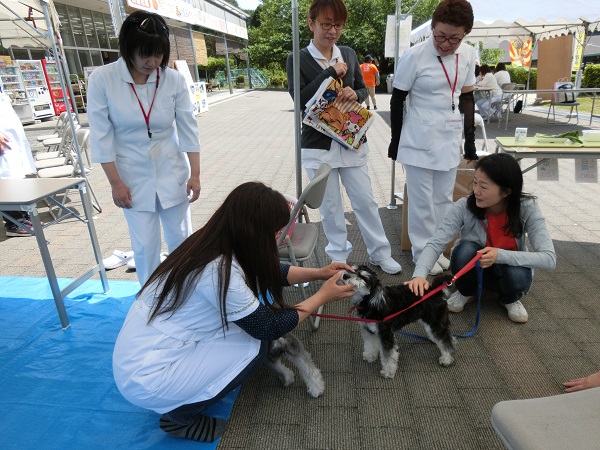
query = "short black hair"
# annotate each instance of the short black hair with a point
(146, 34)
(368, 58)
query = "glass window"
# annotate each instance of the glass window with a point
(84, 57)
(100, 30)
(37, 53)
(88, 27)
(73, 61)
(112, 37)
(20, 53)
(65, 29)
(96, 58)
(77, 26)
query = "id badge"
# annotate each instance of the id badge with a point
(453, 122)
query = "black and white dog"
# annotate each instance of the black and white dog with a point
(373, 301)
(290, 346)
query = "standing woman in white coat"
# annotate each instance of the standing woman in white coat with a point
(438, 76)
(142, 127)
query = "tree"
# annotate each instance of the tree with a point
(270, 30)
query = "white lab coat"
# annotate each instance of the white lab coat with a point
(148, 167)
(17, 161)
(187, 356)
(424, 142)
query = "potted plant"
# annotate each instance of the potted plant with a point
(240, 80)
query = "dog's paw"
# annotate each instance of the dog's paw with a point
(316, 387)
(287, 377)
(370, 356)
(388, 373)
(446, 360)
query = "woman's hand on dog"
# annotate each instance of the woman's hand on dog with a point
(329, 292)
(333, 269)
(417, 285)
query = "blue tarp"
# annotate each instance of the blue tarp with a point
(56, 387)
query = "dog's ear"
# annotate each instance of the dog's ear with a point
(366, 269)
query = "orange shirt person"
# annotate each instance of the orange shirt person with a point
(370, 73)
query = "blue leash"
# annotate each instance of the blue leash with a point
(479, 271)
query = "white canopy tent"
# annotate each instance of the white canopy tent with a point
(517, 20)
(35, 23)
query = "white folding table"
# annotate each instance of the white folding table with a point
(23, 195)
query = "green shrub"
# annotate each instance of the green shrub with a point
(240, 79)
(591, 76)
(519, 75)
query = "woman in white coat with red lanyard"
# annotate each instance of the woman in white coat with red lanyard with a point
(142, 126)
(438, 75)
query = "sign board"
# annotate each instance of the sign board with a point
(547, 170)
(405, 25)
(586, 170)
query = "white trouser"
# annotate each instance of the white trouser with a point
(483, 105)
(144, 232)
(357, 183)
(429, 200)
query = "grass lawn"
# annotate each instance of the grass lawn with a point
(585, 105)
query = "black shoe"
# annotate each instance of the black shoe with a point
(374, 107)
(368, 107)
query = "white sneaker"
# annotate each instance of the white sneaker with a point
(457, 302)
(436, 269)
(443, 262)
(388, 265)
(131, 264)
(517, 312)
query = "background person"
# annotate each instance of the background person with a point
(501, 74)
(370, 74)
(142, 123)
(494, 220)
(320, 60)
(197, 329)
(439, 77)
(16, 162)
(483, 104)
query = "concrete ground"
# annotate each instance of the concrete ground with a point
(250, 136)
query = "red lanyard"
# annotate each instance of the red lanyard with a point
(452, 88)
(147, 116)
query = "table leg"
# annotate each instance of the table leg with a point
(47, 260)
(89, 214)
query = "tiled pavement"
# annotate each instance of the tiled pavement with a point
(249, 136)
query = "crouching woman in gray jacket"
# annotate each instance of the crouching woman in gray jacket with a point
(493, 221)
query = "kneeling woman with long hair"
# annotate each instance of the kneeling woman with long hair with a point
(197, 329)
(494, 220)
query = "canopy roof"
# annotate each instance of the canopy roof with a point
(517, 20)
(22, 23)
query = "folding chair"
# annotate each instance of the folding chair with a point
(563, 99)
(479, 122)
(503, 105)
(72, 168)
(60, 156)
(58, 128)
(298, 246)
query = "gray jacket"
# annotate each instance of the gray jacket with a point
(311, 77)
(461, 220)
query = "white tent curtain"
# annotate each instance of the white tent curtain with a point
(23, 24)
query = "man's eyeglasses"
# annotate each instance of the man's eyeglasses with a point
(329, 26)
(452, 40)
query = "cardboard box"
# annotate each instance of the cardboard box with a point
(462, 188)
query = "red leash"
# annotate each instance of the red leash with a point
(460, 273)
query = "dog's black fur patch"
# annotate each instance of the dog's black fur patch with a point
(374, 301)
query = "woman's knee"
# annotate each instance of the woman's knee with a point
(462, 253)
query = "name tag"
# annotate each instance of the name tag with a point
(453, 123)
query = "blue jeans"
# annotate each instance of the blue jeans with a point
(511, 282)
(187, 413)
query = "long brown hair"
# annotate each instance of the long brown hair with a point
(243, 228)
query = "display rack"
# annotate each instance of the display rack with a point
(36, 88)
(12, 85)
(57, 95)
(78, 87)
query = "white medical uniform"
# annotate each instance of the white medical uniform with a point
(483, 104)
(351, 168)
(186, 357)
(430, 148)
(17, 161)
(155, 170)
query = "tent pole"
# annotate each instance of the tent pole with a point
(63, 87)
(297, 109)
